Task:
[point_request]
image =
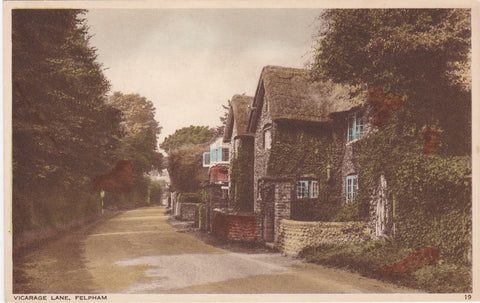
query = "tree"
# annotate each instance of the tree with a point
(187, 136)
(63, 132)
(137, 144)
(422, 55)
(219, 130)
(185, 168)
(139, 132)
(185, 148)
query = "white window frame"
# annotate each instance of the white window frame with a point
(351, 188)
(355, 126)
(307, 189)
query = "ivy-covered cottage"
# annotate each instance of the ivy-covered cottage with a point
(306, 131)
(241, 153)
(229, 208)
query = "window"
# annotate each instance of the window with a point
(307, 189)
(356, 126)
(206, 158)
(225, 154)
(351, 187)
(267, 136)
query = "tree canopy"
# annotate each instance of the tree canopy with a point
(63, 131)
(421, 55)
(185, 148)
(187, 136)
(395, 48)
(139, 132)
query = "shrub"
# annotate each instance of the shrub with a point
(443, 278)
(368, 256)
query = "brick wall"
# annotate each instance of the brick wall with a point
(187, 211)
(293, 236)
(235, 227)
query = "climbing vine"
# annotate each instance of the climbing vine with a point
(431, 191)
(242, 175)
(303, 150)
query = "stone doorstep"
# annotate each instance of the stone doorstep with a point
(270, 245)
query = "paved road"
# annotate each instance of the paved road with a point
(137, 251)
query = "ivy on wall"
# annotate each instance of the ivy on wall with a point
(306, 150)
(431, 192)
(242, 175)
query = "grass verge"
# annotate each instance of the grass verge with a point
(367, 256)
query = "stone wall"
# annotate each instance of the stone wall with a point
(235, 227)
(187, 211)
(215, 200)
(276, 195)
(293, 236)
(261, 154)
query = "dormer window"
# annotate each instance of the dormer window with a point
(356, 126)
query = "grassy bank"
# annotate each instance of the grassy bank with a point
(366, 257)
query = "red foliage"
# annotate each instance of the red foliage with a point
(432, 139)
(383, 105)
(417, 260)
(119, 180)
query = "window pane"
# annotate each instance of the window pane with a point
(351, 187)
(302, 190)
(351, 127)
(225, 154)
(314, 189)
(267, 139)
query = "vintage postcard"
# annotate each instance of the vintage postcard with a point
(240, 151)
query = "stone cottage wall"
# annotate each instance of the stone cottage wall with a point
(276, 195)
(346, 158)
(294, 236)
(261, 155)
(283, 197)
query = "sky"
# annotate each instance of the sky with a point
(190, 62)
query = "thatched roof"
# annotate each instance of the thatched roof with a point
(293, 94)
(237, 116)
